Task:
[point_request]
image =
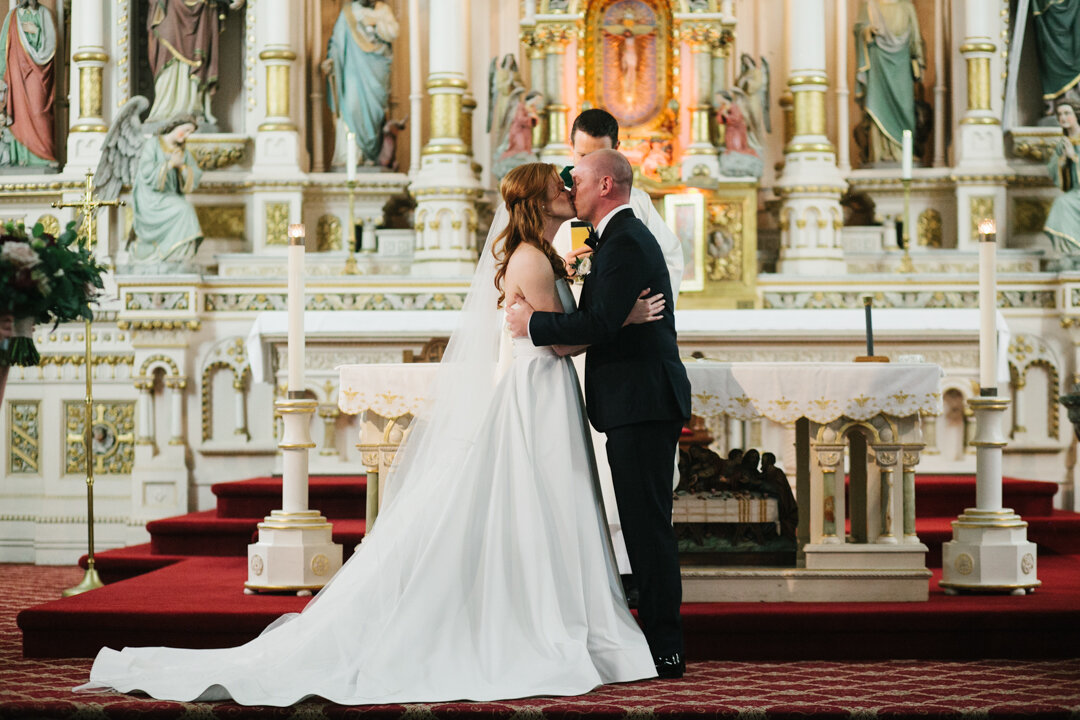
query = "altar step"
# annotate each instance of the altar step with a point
(335, 496)
(199, 602)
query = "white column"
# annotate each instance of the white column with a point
(811, 184)
(557, 146)
(843, 121)
(445, 187)
(939, 83)
(416, 90)
(176, 388)
(277, 145)
(701, 153)
(143, 407)
(87, 128)
(240, 427)
(980, 147)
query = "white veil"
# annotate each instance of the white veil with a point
(462, 390)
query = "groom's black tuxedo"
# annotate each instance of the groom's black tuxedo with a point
(637, 393)
(632, 374)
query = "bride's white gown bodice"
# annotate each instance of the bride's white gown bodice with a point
(499, 584)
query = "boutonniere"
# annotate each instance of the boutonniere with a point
(582, 267)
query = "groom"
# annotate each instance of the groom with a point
(636, 388)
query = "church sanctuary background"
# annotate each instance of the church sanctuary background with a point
(820, 161)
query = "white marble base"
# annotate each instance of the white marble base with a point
(747, 584)
(989, 552)
(295, 552)
(863, 556)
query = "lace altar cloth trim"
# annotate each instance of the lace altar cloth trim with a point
(822, 392)
(390, 389)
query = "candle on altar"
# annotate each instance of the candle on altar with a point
(868, 303)
(351, 161)
(905, 162)
(987, 307)
(296, 307)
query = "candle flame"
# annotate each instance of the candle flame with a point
(296, 230)
(987, 226)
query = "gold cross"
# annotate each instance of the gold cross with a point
(89, 206)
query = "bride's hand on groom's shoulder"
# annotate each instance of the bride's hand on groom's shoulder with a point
(518, 314)
(571, 258)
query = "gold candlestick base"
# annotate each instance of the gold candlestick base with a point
(906, 266)
(91, 581)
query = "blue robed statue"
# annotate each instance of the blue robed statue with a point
(357, 66)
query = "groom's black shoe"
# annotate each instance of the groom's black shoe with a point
(670, 667)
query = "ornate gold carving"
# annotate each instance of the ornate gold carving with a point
(1030, 213)
(810, 112)
(221, 221)
(113, 444)
(157, 300)
(446, 115)
(50, 224)
(277, 91)
(726, 233)
(277, 223)
(978, 83)
(90, 91)
(79, 359)
(320, 565)
(929, 228)
(24, 436)
(328, 233)
(168, 325)
(165, 360)
(1035, 146)
(981, 206)
(217, 153)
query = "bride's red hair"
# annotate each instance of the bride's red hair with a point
(525, 192)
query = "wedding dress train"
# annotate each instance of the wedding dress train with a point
(499, 584)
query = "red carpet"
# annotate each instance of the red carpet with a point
(35, 689)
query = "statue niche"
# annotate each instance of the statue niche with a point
(628, 42)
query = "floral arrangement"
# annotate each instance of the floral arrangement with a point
(42, 278)
(581, 267)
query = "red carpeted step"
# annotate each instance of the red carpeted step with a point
(127, 562)
(336, 496)
(199, 602)
(950, 495)
(205, 534)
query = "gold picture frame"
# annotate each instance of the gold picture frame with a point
(684, 214)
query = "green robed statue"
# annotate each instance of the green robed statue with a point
(889, 57)
(1063, 221)
(1057, 33)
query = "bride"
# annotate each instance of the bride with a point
(489, 574)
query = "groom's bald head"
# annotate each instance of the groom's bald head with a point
(602, 182)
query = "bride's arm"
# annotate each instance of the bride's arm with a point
(529, 274)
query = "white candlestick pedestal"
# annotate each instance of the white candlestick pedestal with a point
(295, 551)
(989, 551)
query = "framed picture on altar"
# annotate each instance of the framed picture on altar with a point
(685, 215)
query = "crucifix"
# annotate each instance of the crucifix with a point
(88, 205)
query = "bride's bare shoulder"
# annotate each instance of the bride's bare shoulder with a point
(528, 260)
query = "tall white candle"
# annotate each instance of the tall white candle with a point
(987, 305)
(530, 11)
(905, 166)
(296, 308)
(350, 163)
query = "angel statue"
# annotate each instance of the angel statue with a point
(513, 112)
(182, 41)
(160, 171)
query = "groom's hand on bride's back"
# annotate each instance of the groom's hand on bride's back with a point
(518, 314)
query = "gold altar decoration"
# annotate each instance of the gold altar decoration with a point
(112, 432)
(24, 440)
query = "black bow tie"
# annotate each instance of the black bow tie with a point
(593, 240)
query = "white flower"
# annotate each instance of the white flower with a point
(582, 266)
(41, 280)
(59, 273)
(19, 254)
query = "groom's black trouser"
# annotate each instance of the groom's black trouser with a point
(642, 460)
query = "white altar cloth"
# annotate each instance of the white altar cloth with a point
(345, 324)
(389, 389)
(785, 391)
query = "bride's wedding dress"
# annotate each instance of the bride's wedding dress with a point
(500, 583)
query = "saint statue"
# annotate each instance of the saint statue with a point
(1057, 32)
(357, 67)
(890, 57)
(1063, 221)
(27, 64)
(513, 112)
(183, 48)
(161, 172)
